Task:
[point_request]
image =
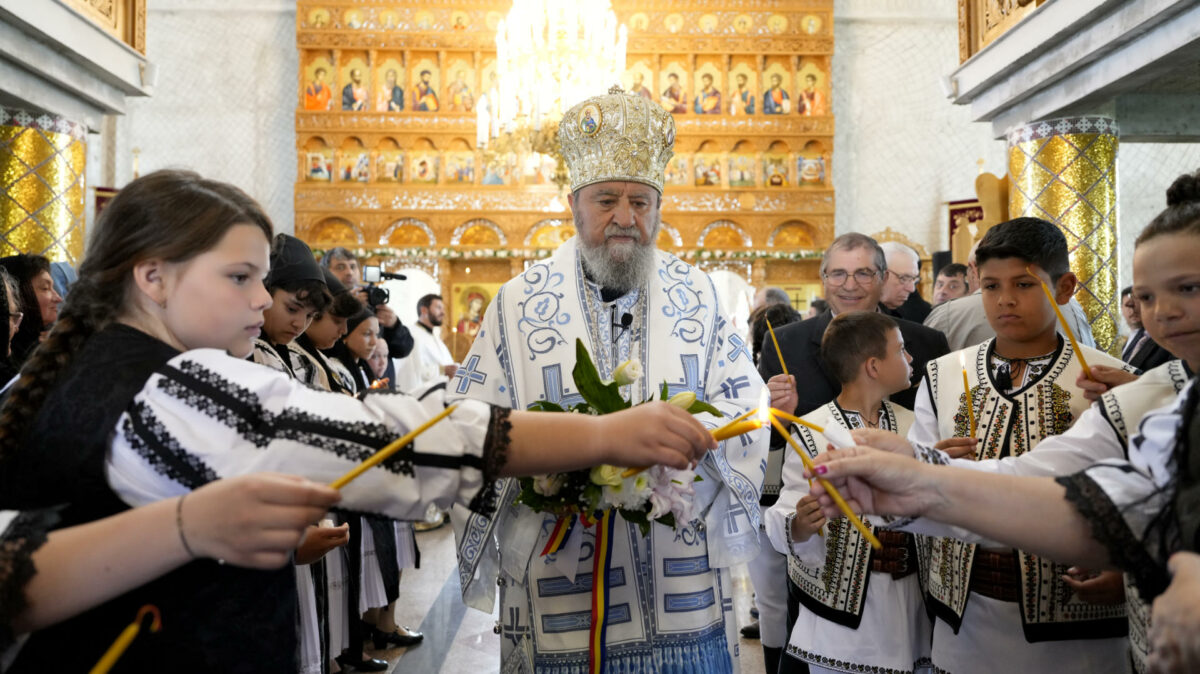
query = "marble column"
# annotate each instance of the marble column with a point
(42, 159)
(1065, 171)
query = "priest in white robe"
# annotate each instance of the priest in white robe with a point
(669, 606)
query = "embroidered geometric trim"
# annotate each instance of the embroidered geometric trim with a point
(1110, 530)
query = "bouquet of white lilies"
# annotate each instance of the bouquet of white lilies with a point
(658, 494)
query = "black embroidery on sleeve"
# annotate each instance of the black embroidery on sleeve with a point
(24, 535)
(215, 396)
(154, 443)
(1110, 530)
(495, 456)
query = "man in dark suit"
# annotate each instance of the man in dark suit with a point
(1140, 351)
(853, 272)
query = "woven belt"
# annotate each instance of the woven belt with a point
(995, 575)
(898, 556)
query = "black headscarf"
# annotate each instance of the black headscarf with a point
(23, 268)
(292, 260)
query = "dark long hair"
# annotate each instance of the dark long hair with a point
(173, 215)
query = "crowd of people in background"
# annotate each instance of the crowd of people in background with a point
(1052, 546)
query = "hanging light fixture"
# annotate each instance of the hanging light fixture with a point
(550, 54)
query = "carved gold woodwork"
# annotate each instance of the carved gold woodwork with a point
(361, 182)
(123, 19)
(980, 22)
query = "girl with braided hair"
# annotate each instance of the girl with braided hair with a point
(139, 393)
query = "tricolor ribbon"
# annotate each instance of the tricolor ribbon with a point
(560, 534)
(600, 564)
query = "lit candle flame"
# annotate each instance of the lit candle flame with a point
(764, 407)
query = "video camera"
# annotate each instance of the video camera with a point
(372, 274)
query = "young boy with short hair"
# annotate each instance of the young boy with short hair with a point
(861, 609)
(1000, 609)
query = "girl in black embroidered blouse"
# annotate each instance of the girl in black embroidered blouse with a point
(139, 393)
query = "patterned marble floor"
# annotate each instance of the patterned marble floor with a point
(458, 639)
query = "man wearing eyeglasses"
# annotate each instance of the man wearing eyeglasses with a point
(854, 272)
(900, 297)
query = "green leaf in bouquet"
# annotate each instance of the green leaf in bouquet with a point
(546, 406)
(667, 520)
(665, 392)
(701, 406)
(638, 517)
(605, 398)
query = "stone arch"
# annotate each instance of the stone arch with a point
(478, 232)
(793, 234)
(407, 232)
(723, 234)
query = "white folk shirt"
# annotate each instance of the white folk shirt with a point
(670, 600)
(1102, 433)
(1049, 626)
(871, 622)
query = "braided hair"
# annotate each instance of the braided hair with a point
(170, 214)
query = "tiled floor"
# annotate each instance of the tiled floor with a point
(459, 640)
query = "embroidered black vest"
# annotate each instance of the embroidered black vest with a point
(215, 618)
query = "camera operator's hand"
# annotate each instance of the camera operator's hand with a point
(359, 293)
(387, 317)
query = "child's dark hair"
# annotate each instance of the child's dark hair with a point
(779, 314)
(344, 305)
(953, 269)
(851, 339)
(312, 294)
(1031, 240)
(170, 214)
(1182, 215)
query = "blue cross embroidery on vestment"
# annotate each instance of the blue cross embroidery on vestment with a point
(512, 629)
(739, 348)
(468, 374)
(731, 386)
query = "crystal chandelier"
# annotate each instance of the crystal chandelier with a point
(550, 54)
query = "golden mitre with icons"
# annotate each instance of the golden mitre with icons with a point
(617, 136)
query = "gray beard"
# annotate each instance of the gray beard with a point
(620, 267)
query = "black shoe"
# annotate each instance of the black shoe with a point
(751, 631)
(383, 639)
(364, 665)
(754, 613)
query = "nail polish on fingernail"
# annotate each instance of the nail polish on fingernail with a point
(821, 470)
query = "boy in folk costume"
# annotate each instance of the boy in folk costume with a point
(861, 609)
(1000, 609)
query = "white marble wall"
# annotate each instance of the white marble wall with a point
(225, 100)
(902, 149)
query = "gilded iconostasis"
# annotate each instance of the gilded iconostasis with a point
(389, 159)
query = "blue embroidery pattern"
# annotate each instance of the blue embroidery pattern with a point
(684, 302)
(541, 310)
(739, 348)
(469, 374)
